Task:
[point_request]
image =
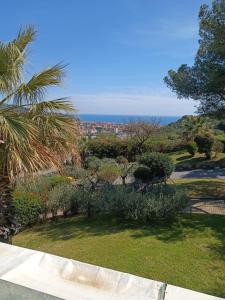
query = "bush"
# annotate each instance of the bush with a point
(75, 172)
(122, 160)
(143, 173)
(192, 148)
(87, 201)
(62, 197)
(159, 164)
(40, 184)
(108, 173)
(28, 207)
(93, 163)
(57, 179)
(161, 203)
(218, 147)
(205, 145)
(106, 145)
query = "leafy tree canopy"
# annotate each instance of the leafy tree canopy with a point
(205, 80)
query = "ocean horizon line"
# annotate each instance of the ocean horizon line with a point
(122, 119)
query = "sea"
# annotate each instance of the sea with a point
(123, 119)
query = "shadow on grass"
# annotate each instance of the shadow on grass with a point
(189, 160)
(183, 227)
(182, 158)
(203, 188)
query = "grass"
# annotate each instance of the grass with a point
(184, 160)
(189, 252)
(201, 188)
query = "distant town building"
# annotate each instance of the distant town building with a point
(91, 129)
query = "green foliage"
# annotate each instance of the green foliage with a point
(108, 146)
(56, 180)
(143, 173)
(40, 184)
(161, 202)
(195, 125)
(221, 125)
(205, 145)
(159, 164)
(28, 207)
(205, 80)
(87, 201)
(75, 172)
(122, 160)
(61, 197)
(192, 148)
(108, 173)
(92, 163)
(218, 147)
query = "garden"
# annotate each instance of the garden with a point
(96, 214)
(110, 200)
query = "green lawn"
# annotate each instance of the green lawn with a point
(189, 253)
(202, 188)
(183, 159)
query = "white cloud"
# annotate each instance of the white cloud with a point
(170, 31)
(161, 103)
(153, 36)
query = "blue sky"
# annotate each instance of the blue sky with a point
(117, 51)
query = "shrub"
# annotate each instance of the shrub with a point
(161, 202)
(218, 147)
(61, 197)
(92, 163)
(28, 207)
(57, 179)
(143, 173)
(106, 145)
(205, 145)
(159, 164)
(87, 201)
(122, 160)
(40, 184)
(108, 173)
(192, 148)
(75, 172)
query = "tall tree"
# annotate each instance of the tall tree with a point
(34, 133)
(205, 80)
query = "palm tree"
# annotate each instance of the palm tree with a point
(196, 125)
(34, 133)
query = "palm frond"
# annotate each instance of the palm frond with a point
(11, 65)
(25, 37)
(53, 106)
(34, 134)
(34, 90)
(15, 129)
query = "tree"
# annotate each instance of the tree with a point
(34, 134)
(125, 168)
(160, 166)
(195, 125)
(192, 148)
(140, 132)
(107, 145)
(205, 145)
(205, 80)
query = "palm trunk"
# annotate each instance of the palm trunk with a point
(8, 224)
